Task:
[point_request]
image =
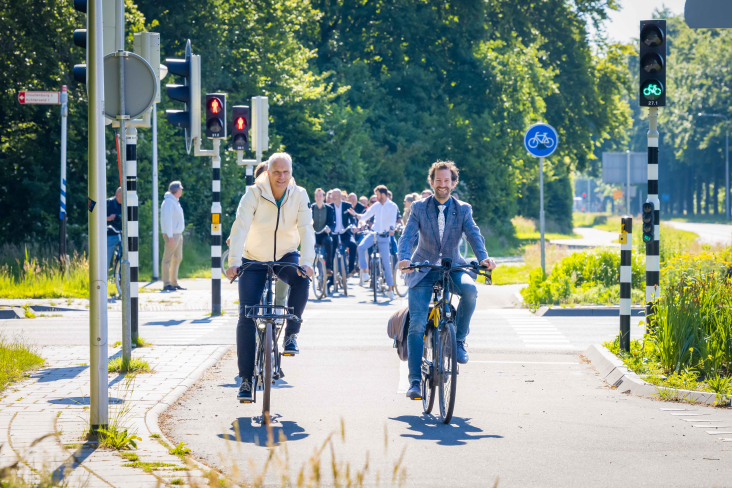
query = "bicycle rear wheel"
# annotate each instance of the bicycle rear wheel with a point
(374, 277)
(428, 374)
(400, 283)
(224, 260)
(463, 247)
(343, 274)
(319, 278)
(447, 371)
(267, 383)
(117, 274)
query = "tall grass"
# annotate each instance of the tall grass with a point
(16, 359)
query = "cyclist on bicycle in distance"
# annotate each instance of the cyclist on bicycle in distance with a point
(272, 220)
(439, 221)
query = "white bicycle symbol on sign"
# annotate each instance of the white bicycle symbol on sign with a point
(541, 139)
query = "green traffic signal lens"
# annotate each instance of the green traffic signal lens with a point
(647, 238)
(652, 90)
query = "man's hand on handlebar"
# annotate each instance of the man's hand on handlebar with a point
(489, 263)
(231, 272)
(308, 271)
(404, 264)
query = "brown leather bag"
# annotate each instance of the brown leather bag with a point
(398, 330)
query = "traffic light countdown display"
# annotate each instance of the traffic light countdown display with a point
(240, 127)
(216, 115)
(652, 94)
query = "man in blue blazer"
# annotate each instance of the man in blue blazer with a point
(439, 221)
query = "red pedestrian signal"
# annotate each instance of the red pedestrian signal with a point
(242, 122)
(215, 115)
(215, 106)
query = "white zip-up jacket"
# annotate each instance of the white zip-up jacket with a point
(263, 232)
(172, 220)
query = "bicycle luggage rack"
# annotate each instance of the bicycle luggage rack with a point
(250, 312)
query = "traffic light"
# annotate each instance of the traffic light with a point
(648, 227)
(240, 128)
(652, 63)
(79, 70)
(189, 93)
(216, 115)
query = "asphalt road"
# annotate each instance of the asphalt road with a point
(708, 233)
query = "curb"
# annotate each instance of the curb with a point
(586, 312)
(152, 415)
(613, 371)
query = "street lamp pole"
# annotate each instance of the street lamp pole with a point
(726, 164)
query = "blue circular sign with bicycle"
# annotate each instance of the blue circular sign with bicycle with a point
(541, 140)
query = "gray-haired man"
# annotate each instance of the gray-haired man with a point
(172, 223)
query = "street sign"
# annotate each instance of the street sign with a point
(615, 167)
(39, 98)
(541, 140)
(141, 85)
(708, 14)
(617, 194)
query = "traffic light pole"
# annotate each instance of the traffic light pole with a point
(62, 213)
(653, 261)
(156, 210)
(216, 230)
(98, 357)
(133, 229)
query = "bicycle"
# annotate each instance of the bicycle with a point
(340, 272)
(400, 285)
(541, 139)
(320, 273)
(117, 267)
(269, 320)
(463, 247)
(378, 283)
(439, 356)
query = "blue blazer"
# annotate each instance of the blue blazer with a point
(422, 223)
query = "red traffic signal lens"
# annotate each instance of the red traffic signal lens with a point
(215, 105)
(584, 194)
(241, 123)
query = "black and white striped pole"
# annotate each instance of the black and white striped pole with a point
(132, 229)
(652, 209)
(216, 230)
(626, 279)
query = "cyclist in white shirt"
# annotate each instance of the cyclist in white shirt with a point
(384, 212)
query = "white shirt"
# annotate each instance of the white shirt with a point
(339, 218)
(385, 215)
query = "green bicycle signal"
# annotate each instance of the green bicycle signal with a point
(652, 90)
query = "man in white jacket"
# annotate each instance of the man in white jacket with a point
(272, 221)
(172, 223)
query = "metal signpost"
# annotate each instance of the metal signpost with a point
(259, 136)
(629, 168)
(541, 140)
(55, 98)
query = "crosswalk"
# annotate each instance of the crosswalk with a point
(175, 332)
(534, 332)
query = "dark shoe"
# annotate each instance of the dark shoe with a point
(169, 288)
(415, 391)
(291, 345)
(462, 354)
(245, 393)
(178, 287)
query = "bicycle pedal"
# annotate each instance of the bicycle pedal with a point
(246, 401)
(288, 354)
(416, 398)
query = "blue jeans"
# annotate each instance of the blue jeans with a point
(383, 243)
(419, 301)
(111, 242)
(251, 286)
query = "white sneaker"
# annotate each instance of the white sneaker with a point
(364, 277)
(391, 295)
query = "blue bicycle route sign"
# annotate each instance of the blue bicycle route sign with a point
(541, 140)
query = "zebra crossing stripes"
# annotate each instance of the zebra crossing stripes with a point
(535, 332)
(174, 332)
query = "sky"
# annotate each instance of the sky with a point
(623, 26)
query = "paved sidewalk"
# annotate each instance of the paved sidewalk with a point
(54, 401)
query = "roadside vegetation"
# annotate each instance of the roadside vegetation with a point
(690, 342)
(17, 359)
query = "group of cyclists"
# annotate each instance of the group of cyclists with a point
(276, 224)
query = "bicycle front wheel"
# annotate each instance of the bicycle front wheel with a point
(267, 383)
(447, 371)
(374, 277)
(117, 274)
(224, 260)
(319, 278)
(343, 274)
(429, 367)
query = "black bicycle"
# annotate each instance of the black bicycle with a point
(270, 320)
(376, 266)
(439, 357)
(117, 266)
(340, 272)
(320, 273)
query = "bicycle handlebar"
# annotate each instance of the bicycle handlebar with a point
(343, 231)
(270, 264)
(474, 265)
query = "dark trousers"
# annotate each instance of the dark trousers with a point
(346, 242)
(251, 286)
(327, 242)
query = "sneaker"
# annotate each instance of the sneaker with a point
(390, 294)
(178, 287)
(415, 391)
(245, 393)
(462, 353)
(365, 277)
(291, 345)
(169, 288)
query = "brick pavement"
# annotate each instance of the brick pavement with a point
(54, 402)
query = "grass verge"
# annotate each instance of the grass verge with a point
(140, 342)
(134, 365)
(17, 358)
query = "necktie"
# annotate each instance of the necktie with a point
(441, 220)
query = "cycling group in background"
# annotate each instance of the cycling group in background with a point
(278, 228)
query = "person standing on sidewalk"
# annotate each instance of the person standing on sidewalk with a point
(114, 223)
(172, 223)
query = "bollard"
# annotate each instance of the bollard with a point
(626, 279)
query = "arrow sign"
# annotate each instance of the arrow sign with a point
(39, 98)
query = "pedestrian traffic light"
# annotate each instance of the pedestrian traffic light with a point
(216, 115)
(652, 63)
(79, 70)
(240, 128)
(189, 93)
(648, 223)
